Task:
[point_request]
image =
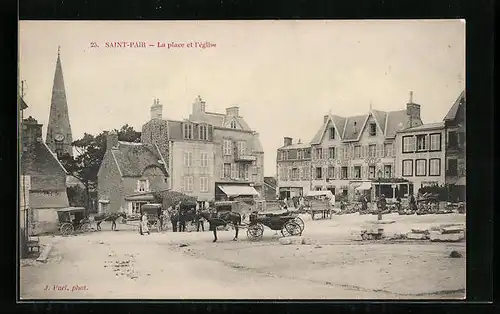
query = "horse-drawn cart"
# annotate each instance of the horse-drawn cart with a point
(153, 213)
(288, 224)
(320, 202)
(72, 219)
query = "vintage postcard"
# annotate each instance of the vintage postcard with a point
(242, 159)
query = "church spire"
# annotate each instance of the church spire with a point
(59, 137)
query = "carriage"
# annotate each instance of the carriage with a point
(153, 213)
(284, 220)
(320, 202)
(72, 219)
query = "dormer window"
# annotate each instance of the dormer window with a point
(142, 186)
(203, 132)
(332, 133)
(373, 129)
(188, 131)
(233, 124)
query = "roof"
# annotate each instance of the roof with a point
(133, 158)
(424, 127)
(296, 146)
(40, 159)
(271, 181)
(22, 103)
(452, 113)
(71, 209)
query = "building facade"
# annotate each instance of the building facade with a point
(269, 187)
(420, 155)
(43, 179)
(129, 175)
(59, 136)
(346, 151)
(455, 124)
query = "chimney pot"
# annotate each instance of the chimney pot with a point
(111, 140)
(233, 111)
(156, 109)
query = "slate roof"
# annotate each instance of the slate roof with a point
(350, 128)
(271, 182)
(22, 103)
(39, 159)
(424, 127)
(133, 158)
(296, 146)
(452, 113)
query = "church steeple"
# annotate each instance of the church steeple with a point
(59, 137)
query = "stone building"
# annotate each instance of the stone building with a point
(238, 154)
(455, 124)
(129, 175)
(43, 180)
(346, 153)
(420, 154)
(59, 136)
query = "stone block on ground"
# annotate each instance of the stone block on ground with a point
(383, 222)
(416, 236)
(45, 254)
(452, 229)
(418, 230)
(450, 237)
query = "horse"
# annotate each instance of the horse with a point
(99, 218)
(222, 219)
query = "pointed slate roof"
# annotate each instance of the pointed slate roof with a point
(353, 127)
(452, 113)
(338, 123)
(22, 103)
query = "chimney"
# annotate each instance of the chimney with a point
(111, 140)
(287, 141)
(156, 109)
(355, 128)
(325, 118)
(299, 141)
(233, 111)
(412, 111)
(198, 105)
(32, 132)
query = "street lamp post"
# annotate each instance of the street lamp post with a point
(379, 177)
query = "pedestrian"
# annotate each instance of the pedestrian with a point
(144, 224)
(199, 221)
(412, 203)
(182, 220)
(174, 219)
(364, 203)
(398, 203)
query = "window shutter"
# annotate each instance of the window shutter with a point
(313, 173)
(301, 173)
(147, 185)
(380, 150)
(325, 153)
(138, 185)
(364, 173)
(427, 142)
(393, 149)
(233, 171)
(222, 170)
(414, 143)
(337, 172)
(340, 153)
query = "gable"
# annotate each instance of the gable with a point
(326, 133)
(371, 120)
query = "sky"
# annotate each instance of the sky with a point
(284, 75)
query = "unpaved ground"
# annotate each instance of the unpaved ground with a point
(126, 265)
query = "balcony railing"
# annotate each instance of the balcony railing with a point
(245, 157)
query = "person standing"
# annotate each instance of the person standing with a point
(144, 225)
(174, 219)
(199, 221)
(364, 203)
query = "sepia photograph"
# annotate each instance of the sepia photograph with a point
(271, 159)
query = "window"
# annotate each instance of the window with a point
(295, 174)
(388, 171)
(372, 150)
(332, 133)
(345, 152)
(371, 172)
(331, 172)
(243, 171)
(136, 207)
(331, 152)
(373, 129)
(300, 154)
(452, 167)
(283, 155)
(344, 172)
(188, 131)
(204, 159)
(188, 159)
(203, 132)
(420, 167)
(228, 147)
(461, 138)
(142, 185)
(233, 124)
(319, 153)
(59, 147)
(241, 147)
(226, 170)
(203, 184)
(435, 140)
(357, 152)
(388, 150)
(407, 168)
(319, 173)
(421, 142)
(435, 167)
(408, 144)
(357, 172)
(452, 139)
(188, 184)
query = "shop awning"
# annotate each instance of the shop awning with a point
(140, 197)
(461, 181)
(236, 190)
(364, 186)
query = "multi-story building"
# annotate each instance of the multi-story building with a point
(294, 169)
(346, 151)
(420, 154)
(238, 153)
(455, 124)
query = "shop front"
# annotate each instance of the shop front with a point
(230, 192)
(290, 192)
(133, 203)
(358, 188)
(391, 190)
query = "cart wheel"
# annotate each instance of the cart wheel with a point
(300, 222)
(255, 232)
(66, 229)
(85, 227)
(291, 228)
